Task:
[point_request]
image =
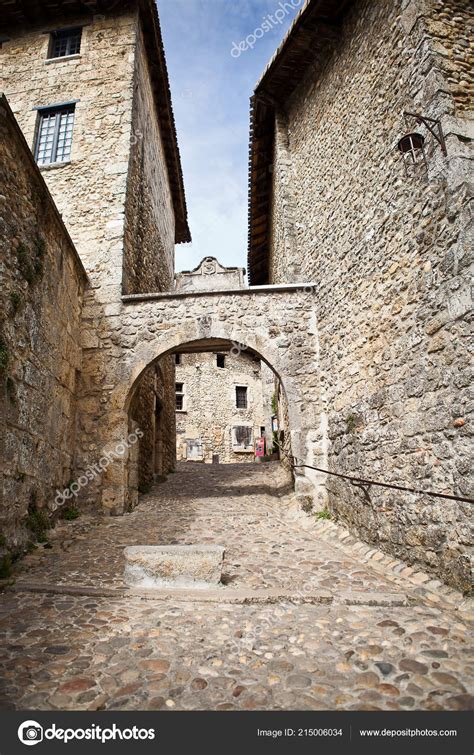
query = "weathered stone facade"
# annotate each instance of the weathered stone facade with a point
(210, 425)
(152, 410)
(389, 255)
(115, 190)
(276, 324)
(209, 275)
(120, 193)
(42, 290)
(90, 190)
(366, 325)
(207, 425)
(149, 217)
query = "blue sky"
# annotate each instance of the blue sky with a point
(210, 90)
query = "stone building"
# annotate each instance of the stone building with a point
(43, 284)
(221, 408)
(359, 296)
(88, 86)
(388, 251)
(223, 397)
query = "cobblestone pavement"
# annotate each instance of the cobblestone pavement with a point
(232, 505)
(93, 651)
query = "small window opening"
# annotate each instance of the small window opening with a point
(65, 42)
(241, 397)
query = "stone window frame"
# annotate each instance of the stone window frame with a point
(72, 36)
(220, 357)
(180, 396)
(43, 111)
(238, 400)
(242, 447)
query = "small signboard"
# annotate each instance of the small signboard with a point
(260, 447)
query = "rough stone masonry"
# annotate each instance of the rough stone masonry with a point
(391, 254)
(373, 360)
(121, 196)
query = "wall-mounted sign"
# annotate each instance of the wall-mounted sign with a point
(260, 447)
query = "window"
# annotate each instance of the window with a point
(220, 360)
(194, 449)
(65, 42)
(177, 358)
(242, 437)
(179, 397)
(241, 397)
(54, 135)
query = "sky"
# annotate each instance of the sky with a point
(212, 79)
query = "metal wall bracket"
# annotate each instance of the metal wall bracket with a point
(432, 124)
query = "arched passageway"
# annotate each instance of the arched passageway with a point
(151, 411)
(207, 423)
(277, 325)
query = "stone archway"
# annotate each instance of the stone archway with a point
(277, 325)
(155, 354)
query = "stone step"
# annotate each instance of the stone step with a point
(222, 595)
(173, 566)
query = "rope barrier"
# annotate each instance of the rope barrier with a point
(358, 481)
(361, 481)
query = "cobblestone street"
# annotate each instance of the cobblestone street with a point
(302, 621)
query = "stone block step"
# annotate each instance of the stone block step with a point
(165, 566)
(221, 594)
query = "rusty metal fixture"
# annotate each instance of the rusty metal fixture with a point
(412, 149)
(412, 144)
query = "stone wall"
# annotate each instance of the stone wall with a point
(209, 410)
(283, 262)
(165, 419)
(277, 325)
(42, 289)
(114, 194)
(152, 411)
(389, 255)
(148, 265)
(90, 190)
(269, 388)
(209, 275)
(282, 435)
(149, 218)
